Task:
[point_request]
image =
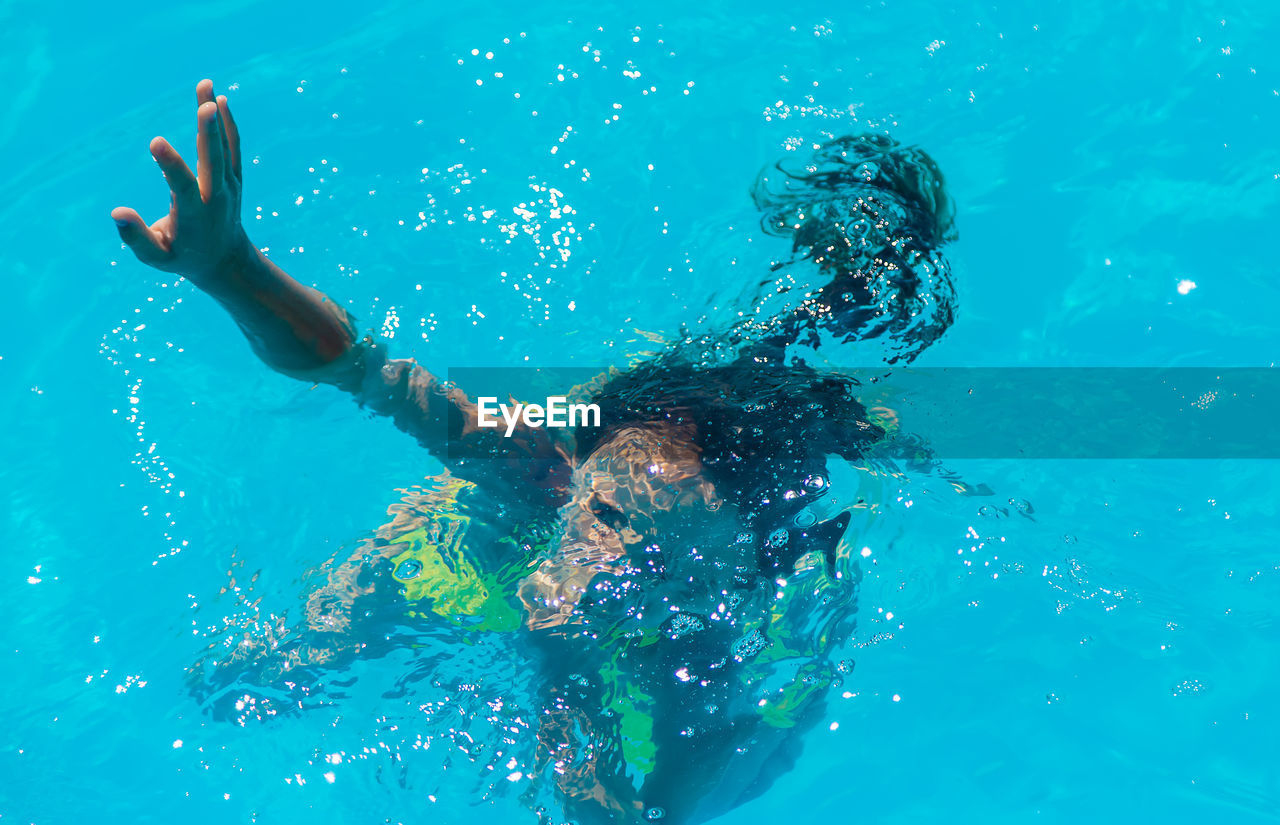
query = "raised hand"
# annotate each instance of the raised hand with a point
(201, 237)
(291, 326)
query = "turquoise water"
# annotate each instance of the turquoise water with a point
(1101, 646)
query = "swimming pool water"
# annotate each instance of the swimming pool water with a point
(1100, 643)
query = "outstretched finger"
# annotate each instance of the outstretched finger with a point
(134, 231)
(226, 149)
(233, 137)
(210, 164)
(204, 94)
(181, 182)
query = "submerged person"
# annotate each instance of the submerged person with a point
(666, 571)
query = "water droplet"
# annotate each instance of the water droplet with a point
(407, 569)
(815, 482)
(778, 538)
(805, 518)
(750, 645)
(1189, 686)
(682, 624)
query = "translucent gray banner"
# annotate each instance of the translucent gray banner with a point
(966, 413)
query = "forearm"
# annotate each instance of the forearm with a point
(292, 327)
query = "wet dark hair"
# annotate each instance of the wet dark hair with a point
(761, 430)
(874, 167)
(872, 215)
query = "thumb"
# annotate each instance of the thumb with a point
(138, 236)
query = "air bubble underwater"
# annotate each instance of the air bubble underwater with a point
(408, 569)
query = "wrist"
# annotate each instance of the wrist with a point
(239, 273)
(239, 254)
(235, 258)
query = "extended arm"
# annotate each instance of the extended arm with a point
(298, 330)
(291, 327)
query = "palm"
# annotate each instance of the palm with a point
(203, 227)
